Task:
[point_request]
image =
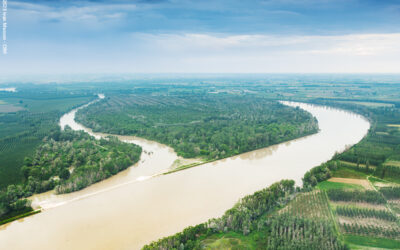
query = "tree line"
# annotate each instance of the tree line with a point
(368, 196)
(200, 125)
(68, 161)
(243, 217)
(365, 213)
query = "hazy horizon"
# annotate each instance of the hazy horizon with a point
(164, 36)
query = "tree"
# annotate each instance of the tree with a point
(64, 174)
(383, 171)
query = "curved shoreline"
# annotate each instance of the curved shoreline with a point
(137, 212)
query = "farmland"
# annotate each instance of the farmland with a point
(358, 206)
(21, 132)
(352, 199)
(312, 204)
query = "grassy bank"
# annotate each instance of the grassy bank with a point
(19, 216)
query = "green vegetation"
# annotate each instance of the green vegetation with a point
(325, 185)
(35, 115)
(287, 232)
(379, 151)
(200, 125)
(230, 240)
(235, 219)
(214, 118)
(371, 230)
(35, 156)
(374, 159)
(68, 161)
(368, 196)
(318, 174)
(365, 213)
(346, 172)
(371, 242)
(254, 223)
(73, 160)
(390, 192)
(311, 205)
(20, 215)
(21, 132)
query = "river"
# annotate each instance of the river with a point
(139, 205)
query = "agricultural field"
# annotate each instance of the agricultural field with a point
(392, 163)
(20, 134)
(369, 104)
(356, 208)
(9, 108)
(67, 161)
(378, 153)
(312, 204)
(348, 172)
(364, 214)
(328, 184)
(22, 130)
(352, 199)
(266, 224)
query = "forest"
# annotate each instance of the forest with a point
(262, 222)
(210, 126)
(215, 119)
(36, 156)
(21, 132)
(68, 161)
(347, 217)
(379, 152)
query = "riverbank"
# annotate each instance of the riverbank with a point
(138, 209)
(20, 216)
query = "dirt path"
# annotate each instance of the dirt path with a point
(364, 183)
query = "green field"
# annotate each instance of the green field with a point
(214, 118)
(23, 131)
(325, 185)
(345, 172)
(359, 242)
(369, 104)
(230, 240)
(8, 108)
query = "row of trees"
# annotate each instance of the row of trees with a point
(73, 160)
(365, 213)
(288, 232)
(312, 204)
(368, 196)
(11, 203)
(243, 217)
(68, 161)
(390, 192)
(380, 145)
(369, 230)
(318, 174)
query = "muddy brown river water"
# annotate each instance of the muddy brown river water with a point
(138, 205)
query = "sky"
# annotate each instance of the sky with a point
(203, 36)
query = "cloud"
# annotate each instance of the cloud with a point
(359, 45)
(354, 44)
(77, 12)
(210, 53)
